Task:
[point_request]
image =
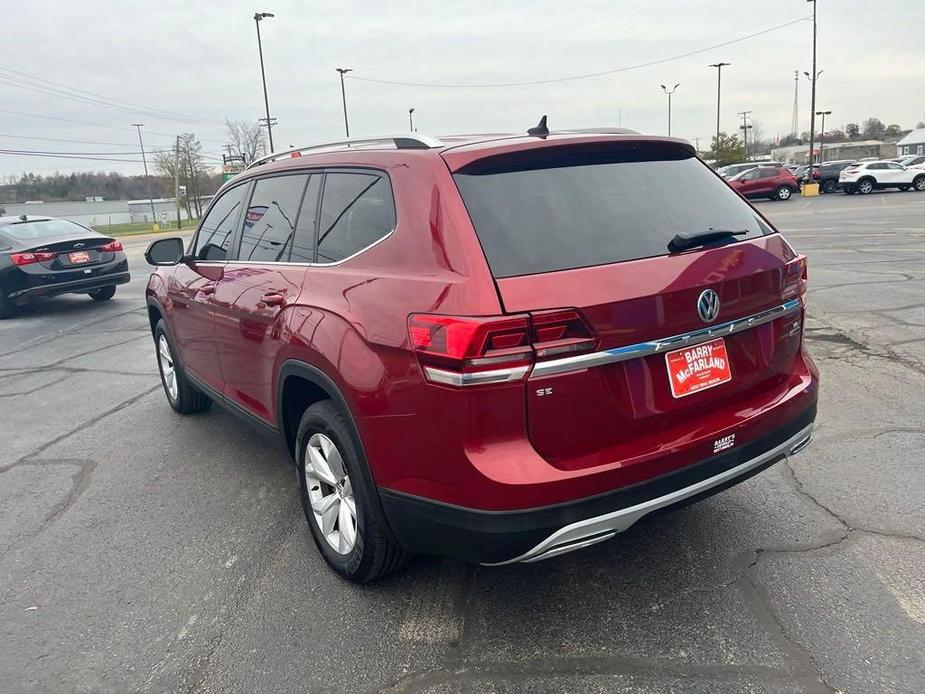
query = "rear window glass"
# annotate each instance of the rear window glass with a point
(41, 229)
(557, 209)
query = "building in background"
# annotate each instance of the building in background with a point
(913, 143)
(852, 149)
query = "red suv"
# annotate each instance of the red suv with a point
(494, 348)
(774, 182)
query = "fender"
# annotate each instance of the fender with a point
(314, 375)
(294, 367)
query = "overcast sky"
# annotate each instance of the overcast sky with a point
(198, 60)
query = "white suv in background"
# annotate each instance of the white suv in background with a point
(867, 176)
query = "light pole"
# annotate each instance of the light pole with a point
(744, 128)
(808, 176)
(144, 161)
(669, 93)
(822, 132)
(719, 82)
(411, 119)
(343, 71)
(258, 17)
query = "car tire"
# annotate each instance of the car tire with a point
(333, 481)
(782, 193)
(919, 183)
(182, 395)
(866, 186)
(103, 293)
(829, 186)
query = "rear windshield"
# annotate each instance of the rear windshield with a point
(556, 209)
(41, 229)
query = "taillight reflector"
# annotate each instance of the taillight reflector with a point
(112, 246)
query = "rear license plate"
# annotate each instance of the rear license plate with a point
(693, 369)
(79, 257)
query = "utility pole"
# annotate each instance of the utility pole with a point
(822, 132)
(719, 82)
(795, 125)
(669, 93)
(343, 94)
(147, 180)
(176, 181)
(744, 128)
(808, 176)
(258, 17)
(411, 119)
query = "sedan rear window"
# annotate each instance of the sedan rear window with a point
(42, 229)
(559, 208)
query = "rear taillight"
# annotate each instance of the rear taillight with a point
(111, 247)
(29, 258)
(795, 280)
(467, 351)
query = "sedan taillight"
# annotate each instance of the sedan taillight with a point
(34, 257)
(112, 246)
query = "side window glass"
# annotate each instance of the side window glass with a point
(270, 222)
(217, 228)
(303, 243)
(356, 211)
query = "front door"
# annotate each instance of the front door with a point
(266, 276)
(191, 289)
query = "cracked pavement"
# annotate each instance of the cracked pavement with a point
(143, 551)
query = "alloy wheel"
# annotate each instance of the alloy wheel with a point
(865, 187)
(330, 493)
(168, 367)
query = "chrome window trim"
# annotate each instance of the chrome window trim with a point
(338, 262)
(599, 528)
(644, 349)
(475, 378)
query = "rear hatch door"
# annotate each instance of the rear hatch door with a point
(587, 226)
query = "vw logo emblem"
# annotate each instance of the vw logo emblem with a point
(708, 306)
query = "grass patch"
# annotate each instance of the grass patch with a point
(134, 228)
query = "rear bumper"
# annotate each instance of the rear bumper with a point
(103, 279)
(501, 537)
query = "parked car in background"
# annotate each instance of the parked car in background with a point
(800, 173)
(912, 160)
(829, 173)
(45, 256)
(867, 176)
(452, 374)
(731, 170)
(773, 182)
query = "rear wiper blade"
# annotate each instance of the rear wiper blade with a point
(692, 239)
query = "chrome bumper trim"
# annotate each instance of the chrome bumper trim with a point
(600, 528)
(644, 349)
(474, 378)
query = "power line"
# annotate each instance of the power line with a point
(55, 139)
(101, 154)
(65, 156)
(585, 76)
(95, 125)
(39, 84)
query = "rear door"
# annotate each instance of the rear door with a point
(588, 229)
(260, 282)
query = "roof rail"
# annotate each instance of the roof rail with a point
(400, 141)
(596, 131)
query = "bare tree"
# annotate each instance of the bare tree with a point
(245, 139)
(194, 174)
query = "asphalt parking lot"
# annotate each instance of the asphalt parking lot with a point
(143, 551)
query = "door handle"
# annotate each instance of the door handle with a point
(207, 289)
(274, 299)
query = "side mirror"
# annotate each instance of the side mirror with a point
(165, 252)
